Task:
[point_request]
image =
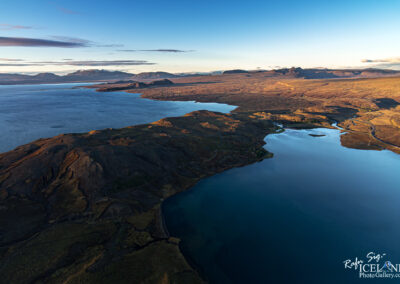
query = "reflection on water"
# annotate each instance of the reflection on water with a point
(29, 112)
(294, 218)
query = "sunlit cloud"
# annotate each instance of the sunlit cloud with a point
(386, 60)
(82, 63)
(14, 27)
(10, 59)
(37, 42)
(104, 63)
(16, 64)
(86, 42)
(386, 63)
(55, 41)
(156, 50)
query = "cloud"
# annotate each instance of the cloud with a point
(14, 27)
(82, 63)
(11, 59)
(386, 60)
(386, 63)
(54, 41)
(105, 63)
(109, 45)
(14, 64)
(393, 66)
(73, 39)
(156, 50)
(85, 42)
(67, 11)
(36, 42)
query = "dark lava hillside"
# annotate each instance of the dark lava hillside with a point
(85, 208)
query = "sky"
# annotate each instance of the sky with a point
(197, 36)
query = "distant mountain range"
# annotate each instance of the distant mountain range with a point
(95, 75)
(78, 76)
(317, 73)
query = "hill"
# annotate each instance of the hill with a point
(87, 207)
(154, 75)
(236, 71)
(96, 75)
(93, 75)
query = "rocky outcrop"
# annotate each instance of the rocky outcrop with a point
(235, 71)
(129, 85)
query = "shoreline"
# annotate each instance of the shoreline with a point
(295, 109)
(76, 114)
(199, 224)
(118, 180)
(191, 262)
(163, 224)
(89, 155)
(333, 124)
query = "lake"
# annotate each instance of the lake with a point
(30, 112)
(294, 218)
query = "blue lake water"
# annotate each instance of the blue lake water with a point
(30, 112)
(293, 218)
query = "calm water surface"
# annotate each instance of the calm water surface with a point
(30, 112)
(294, 218)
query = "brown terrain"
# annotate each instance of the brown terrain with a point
(85, 208)
(368, 109)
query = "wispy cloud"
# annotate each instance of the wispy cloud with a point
(67, 11)
(82, 41)
(104, 63)
(86, 42)
(92, 63)
(10, 59)
(156, 50)
(54, 41)
(14, 27)
(109, 45)
(386, 60)
(16, 64)
(385, 63)
(37, 42)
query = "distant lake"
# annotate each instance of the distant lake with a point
(30, 112)
(294, 218)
